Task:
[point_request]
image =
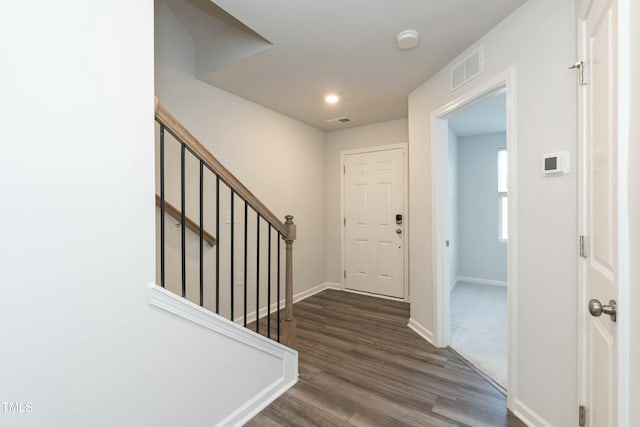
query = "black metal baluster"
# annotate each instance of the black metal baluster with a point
(201, 234)
(162, 205)
(182, 222)
(278, 302)
(258, 273)
(246, 219)
(269, 285)
(232, 247)
(217, 244)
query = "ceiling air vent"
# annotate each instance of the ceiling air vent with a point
(340, 120)
(469, 67)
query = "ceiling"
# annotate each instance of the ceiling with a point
(481, 118)
(287, 55)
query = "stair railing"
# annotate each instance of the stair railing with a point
(285, 231)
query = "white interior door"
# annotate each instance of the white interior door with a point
(600, 184)
(373, 236)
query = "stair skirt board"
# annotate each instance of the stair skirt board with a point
(250, 409)
(178, 306)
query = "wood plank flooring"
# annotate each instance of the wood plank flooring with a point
(360, 365)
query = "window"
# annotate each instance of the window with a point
(503, 198)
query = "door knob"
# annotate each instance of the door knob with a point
(596, 308)
(398, 230)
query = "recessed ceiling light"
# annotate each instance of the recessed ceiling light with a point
(407, 39)
(331, 99)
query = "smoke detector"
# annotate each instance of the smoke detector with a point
(407, 39)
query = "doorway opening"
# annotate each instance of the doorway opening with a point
(475, 237)
(478, 235)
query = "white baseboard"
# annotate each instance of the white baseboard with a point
(315, 290)
(369, 294)
(334, 286)
(421, 330)
(480, 281)
(251, 316)
(528, 416)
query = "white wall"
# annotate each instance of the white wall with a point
(481, 254)
(452, 197)
(80, 342)
(539, 41)
(279, 159)
(385, 133)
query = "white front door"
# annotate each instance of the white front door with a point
(374, 222)
(599, 184)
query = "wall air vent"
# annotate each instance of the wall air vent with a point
(340, 120)
(468, 68)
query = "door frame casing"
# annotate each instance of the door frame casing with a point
(504, 81)
(405, 220)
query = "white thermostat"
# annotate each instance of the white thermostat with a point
(555, 163)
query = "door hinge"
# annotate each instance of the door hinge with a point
(580, 67)
(344, 221)
(583, 246)
(344, 169)
(582, 416)
(345, 274)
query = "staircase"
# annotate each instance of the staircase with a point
(218, 245)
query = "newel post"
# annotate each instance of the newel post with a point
(289, 325)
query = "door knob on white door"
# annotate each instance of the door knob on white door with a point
(596, 308)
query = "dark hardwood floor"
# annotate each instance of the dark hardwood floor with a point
(360, 365)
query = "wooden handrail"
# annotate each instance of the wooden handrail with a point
(286, 229)
(175, 128)
(188, 222)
